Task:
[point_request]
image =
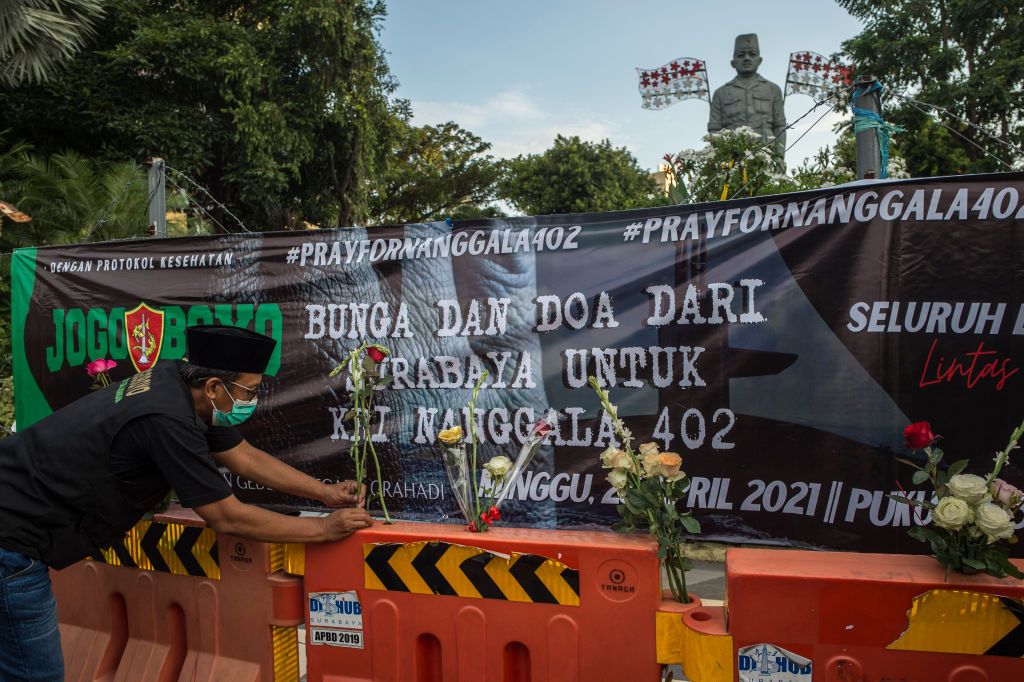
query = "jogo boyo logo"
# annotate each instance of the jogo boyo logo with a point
(146, 334)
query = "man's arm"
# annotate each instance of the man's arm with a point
(250, 462)
(233, 517)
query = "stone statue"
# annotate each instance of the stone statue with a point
(748, 99)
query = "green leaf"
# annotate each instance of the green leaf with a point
(913, 502)
(622, 527)
(386, 380)
(974, 563)
(919, 477)
(924, 534)
(935, 456)
(907, 462)
(691, 524)
(957, 467)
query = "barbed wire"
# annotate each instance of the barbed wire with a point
(792, 144)
(966, 122)
(110, 207)
(198, 205)
(959, 134)
(210, 196)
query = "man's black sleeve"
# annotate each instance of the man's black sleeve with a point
(179, 450)
(222, 438)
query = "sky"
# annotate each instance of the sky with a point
(519, 73)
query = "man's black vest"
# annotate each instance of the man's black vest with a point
(59, 501)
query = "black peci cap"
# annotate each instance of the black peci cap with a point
(231, 349)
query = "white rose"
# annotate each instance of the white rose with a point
(970, 488)
(648, 449)
(650, 463)
(993, 521)
(614, 458)
(618, 479)
(499, 466)
(952, 513)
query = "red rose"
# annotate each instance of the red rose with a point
(494, 513)
(471, 527)
(485, 518)
(919, 435)
(376, 353)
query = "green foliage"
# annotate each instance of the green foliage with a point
(70, 199)
(6, 399)
(436, 172)
(965, 56)
(734, 163)
(737, 163)
(38, 36)
(575, 176)
(73, 199)
(280, 108)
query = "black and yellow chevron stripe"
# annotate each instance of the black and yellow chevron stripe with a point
(456, 570)
(168, 547)
(956, 621)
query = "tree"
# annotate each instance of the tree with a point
(70, 199)
(967, 57)
(281, 108)
(436, 172)
(577, 177)
(37, 36)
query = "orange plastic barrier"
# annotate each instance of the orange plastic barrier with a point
(238, 622)
(870, 617)
(429, 602)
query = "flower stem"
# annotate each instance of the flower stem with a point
(380, 485)
(475, 481)
(1002, 457)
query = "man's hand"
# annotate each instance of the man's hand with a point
(343, 494)
(344, 522)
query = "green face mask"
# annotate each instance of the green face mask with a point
(240, 410)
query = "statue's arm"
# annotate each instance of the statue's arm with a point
(779, 118)
(715, 119)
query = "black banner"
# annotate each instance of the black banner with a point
(779, 344)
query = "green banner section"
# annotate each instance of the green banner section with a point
(29, 403)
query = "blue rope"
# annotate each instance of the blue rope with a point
(866, 120)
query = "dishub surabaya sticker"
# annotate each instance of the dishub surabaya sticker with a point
(335, 619)
(770, 663)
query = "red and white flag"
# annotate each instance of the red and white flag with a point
(680, 79)
(815, 75)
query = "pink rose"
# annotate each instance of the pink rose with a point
(1005, 494)
(100, 366)
(541, 428)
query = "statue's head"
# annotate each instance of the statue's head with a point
(746, 56)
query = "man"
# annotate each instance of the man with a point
(748, 99)
(79, 479)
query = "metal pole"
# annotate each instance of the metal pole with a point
(157, 197)
(869, 155)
